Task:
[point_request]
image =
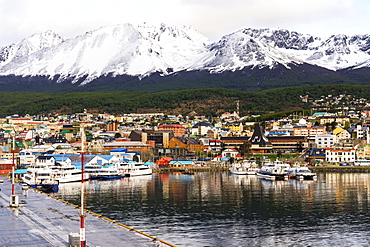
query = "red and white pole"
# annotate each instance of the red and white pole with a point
(13, 164)
(82, 214)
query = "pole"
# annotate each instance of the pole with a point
(13, 168)
(82, 214)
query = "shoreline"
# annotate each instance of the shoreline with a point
(325, 168)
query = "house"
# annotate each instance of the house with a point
(234, 126)
(230, 152)
(179, 163)
(201, 129)
(341, 134)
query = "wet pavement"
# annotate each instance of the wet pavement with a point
(41, 220)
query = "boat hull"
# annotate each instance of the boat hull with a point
(273, 176)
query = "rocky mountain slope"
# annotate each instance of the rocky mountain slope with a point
(140, 52)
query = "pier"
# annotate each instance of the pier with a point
(44, 220)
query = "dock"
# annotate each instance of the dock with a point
(44, 220)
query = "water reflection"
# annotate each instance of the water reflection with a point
(221, 209)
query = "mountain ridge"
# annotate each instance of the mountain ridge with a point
(157, 53)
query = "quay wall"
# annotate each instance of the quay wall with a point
(217, 168)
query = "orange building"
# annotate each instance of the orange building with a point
(190, 144)
(177, 129)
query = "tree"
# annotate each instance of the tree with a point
(279, 154)
(244, 149)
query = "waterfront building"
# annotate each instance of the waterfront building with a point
(233, 141)
(259, 142)
(338, 155)
(288, 143)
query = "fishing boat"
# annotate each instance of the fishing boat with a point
(132, 168)
(276, 170)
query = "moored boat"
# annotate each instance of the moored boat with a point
(276, 170)
(40, 178)
(302, 173)
(132, 168)
(244, 168)
(106, 172)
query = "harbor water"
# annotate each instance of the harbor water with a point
(222, 209)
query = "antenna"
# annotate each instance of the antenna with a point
(237, 107)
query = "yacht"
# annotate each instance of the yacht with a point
(67, 173)
(276, 170)
(301, 172)
(132, 168)
(246, 167)
(40, 177)
(105, 172)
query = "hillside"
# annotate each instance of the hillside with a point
(211, 102)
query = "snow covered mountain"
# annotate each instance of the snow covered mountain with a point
(141, 50)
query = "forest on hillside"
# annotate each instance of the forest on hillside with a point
(208, 101)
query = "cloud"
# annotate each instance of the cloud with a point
(213, 18)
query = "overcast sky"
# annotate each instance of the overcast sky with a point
(213, 18)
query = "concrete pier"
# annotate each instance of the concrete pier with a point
(42, 220)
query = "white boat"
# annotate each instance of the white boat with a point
(40, 177)
(362, 162)
(276, 170)
(67, 173)
(106, 172)
(246, 167)
(301, 172)
(132, 168)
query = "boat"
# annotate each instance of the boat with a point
(187, 172)
(362, 162)
(276, 170)
(106, 172)
(66, 173)
(40, 177)
(133, 168)
(244, 168)
(301, 172)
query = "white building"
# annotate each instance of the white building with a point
(324, 141)
(338, 155)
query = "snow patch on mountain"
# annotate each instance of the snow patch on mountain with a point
(140, 50)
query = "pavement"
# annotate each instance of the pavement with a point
(42, 220)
